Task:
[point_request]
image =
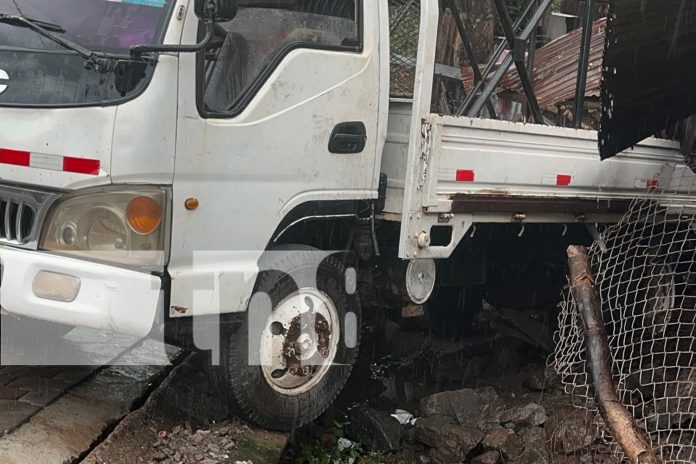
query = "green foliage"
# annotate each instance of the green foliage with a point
(336, 449)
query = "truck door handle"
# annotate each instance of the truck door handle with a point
(348, 137)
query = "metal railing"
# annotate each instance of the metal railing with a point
(520, 41)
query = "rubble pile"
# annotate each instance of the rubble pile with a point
(185, 445)
(479, 426)
(478, 400)
(476, 425)
(227, 442)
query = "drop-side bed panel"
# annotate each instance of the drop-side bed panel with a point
(495, 159)
(470, 171)
(488, 157)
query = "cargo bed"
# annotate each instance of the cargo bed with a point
(498, 171)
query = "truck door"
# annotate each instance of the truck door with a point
(283, 109)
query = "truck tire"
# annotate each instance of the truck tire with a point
(292, 354)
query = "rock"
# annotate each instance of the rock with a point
(533, 457)
(566, 460)
(375, 430)
(479, 408)
(570, 432)
(441, 419)
(489, 457)
(596, 458)
(534, 440)
(451, 443)
(528, 415)
(535, 450)
(407, 457)
(505, 441)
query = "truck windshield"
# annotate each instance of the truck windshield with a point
(42, 72)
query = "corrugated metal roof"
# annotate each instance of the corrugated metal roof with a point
(650, 70)
(556, 69)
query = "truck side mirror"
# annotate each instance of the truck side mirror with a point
(210, 11)
(219, 10)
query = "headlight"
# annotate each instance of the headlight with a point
(125, 227)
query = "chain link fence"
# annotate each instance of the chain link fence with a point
(645, 272)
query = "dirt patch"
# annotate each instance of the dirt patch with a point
(184, 422)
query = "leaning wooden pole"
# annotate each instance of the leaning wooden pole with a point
(615, 414)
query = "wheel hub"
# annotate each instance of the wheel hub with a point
(299, 341)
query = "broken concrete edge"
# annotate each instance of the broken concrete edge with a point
(75, 423)
(110, 436)
(136, 430)
(136, 415)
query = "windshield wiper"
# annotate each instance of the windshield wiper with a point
(15, 20)
(98, 61)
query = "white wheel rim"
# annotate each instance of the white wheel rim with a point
(299, 341)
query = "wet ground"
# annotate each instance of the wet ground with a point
(130, 401)
(484, 396)
(26, 389)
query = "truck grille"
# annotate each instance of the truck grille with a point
(22, 212)
(17, 221)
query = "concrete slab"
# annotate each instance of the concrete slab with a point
(13, 414)
(68, 427)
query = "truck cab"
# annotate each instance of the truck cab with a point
(130, 192)
(168, 166)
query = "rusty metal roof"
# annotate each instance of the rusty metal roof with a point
(556, 69)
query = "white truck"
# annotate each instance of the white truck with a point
(163, 162)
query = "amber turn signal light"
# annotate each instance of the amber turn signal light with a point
(144, 215)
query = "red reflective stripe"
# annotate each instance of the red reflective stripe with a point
(465, 175)
(81, 165)
(16, 157)
(653, 184)
(563, 179)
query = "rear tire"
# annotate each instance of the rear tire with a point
(303, 355)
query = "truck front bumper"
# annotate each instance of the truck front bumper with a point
(105, 297)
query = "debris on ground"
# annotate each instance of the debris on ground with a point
(483, 397)
(183, 422)
(228, 442)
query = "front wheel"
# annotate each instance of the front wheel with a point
(292, 355)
